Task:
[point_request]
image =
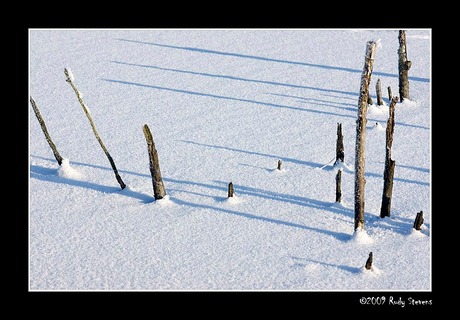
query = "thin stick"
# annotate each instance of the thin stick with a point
(85, 109)
(45, 131)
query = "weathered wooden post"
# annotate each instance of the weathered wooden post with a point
(361, 136)
(338, 186)
(45, 131)
(390, 96)
(378, 89)
(157, 181)
(418, 221)
(339, 149)
(389, 163)
(69, 79)
(403, 67)
(369, 261)
(230, 190)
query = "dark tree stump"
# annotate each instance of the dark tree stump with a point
(338, 186)
(369, 261)
(230, 190)
(279, 165)
(418, 221)
(339, 150)
(157, 181)
(390, 96)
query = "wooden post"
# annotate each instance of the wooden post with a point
(339, 149)
(338, 186)
(279, 165)
(390, 96)
(157, 181)
(418, 221)
(378, 89)
(369, 261)
(361, 136)
(403, 67)
(230, 190)
(69, 79)
(45, 131)
(389, 163)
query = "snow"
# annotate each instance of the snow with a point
(225, 105)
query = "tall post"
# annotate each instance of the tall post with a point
(389, 163)
(403, 67)
(361, 136)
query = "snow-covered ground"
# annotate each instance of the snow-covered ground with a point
(224, 105)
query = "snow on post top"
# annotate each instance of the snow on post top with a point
(69, 74)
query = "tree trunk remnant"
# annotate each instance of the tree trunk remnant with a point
(389, 163)
(45, 131)
(69, 79)
(340, 153)
(157, 181)
(279, 165)
(361, 136)
(403, 67)
(369, 261)
(338, 186)
(230, 190)
(378, 89)
(418, 221)
(390, 96)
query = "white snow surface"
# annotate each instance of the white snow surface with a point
(224, 105)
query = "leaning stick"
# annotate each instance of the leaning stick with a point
(45, 131)
(69, 79)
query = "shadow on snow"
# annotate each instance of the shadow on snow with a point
(268, 104)
(246, 56)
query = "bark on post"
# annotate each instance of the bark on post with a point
(369, 261)
(361, 136)
(403, 67)
(378, 89)
(338, 186)
(339, 150)
(157, 181)
(230, 190)
(69, 79)
(418, 221)
(45, 131)
(389, 163)
(279, 165)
